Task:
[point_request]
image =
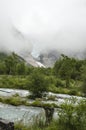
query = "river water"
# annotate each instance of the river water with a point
(29, 115)
(22, 114)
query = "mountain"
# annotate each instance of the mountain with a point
(48, 58)
(31, 60)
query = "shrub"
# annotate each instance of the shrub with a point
(59, 83)
(73, 92)
(72, 117)
(38, 84)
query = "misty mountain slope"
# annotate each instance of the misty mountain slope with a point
(25, 53)
(48, 58)
(26, 24)
(22, 58)
(29, 59)
(4, 55)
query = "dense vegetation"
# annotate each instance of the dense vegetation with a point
(67, 76)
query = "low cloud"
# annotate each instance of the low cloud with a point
(34, 25)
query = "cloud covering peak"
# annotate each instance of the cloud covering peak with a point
(43, 25)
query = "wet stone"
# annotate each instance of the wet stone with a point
(6, 125)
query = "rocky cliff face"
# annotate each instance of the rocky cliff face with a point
(31, 60)
(44, 60)
(48, 58)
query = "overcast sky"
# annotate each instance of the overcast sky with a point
(44, 24)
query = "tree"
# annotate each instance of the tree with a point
(64, 68)
(68, 68)
(38, 84)
(2, 68)
(10, 63)
(84, 79)
(20, 68)
(14, 64)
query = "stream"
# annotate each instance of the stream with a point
(28, 114)
(22, 114)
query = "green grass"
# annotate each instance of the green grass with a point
(56, 86)
(16, 101)
(17, 82)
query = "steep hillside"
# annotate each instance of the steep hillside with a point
(32, 61)
(48, 58)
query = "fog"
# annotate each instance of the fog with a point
(38, 25)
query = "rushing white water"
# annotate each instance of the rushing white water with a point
(10, 92)
(22, 114)
(24, 93)
(30, 115)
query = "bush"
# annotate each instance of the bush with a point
(73, 117)
(73, 92)
(59, 83)
(38, 84)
